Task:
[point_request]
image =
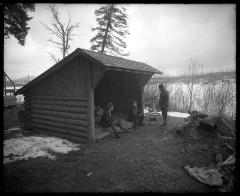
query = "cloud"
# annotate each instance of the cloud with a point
(161, 35)
(24, 60)
(177, 33)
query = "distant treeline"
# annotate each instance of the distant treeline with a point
(21, 81)
(206, 77)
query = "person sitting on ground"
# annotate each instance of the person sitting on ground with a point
(163, 103)
(135, 114)
(108, 121)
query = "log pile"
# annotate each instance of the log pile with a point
(223, 137)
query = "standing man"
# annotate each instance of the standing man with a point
(163, 103)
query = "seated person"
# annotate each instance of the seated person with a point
(98, 112)
(108, 121)
(135, 114)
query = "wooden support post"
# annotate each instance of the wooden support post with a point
(90, 103)
(141, 85)
(142, 80)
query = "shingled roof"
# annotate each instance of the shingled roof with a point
(118, 62)
(109, 62)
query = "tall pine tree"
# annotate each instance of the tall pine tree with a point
(111, 30)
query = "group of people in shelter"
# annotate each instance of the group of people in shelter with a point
(135, 115)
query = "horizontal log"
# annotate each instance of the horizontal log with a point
(81, 123)
(60, 108)
(125, 93)
(60, 103)
(58, 130)
(124, 96)
(76, 116)
(75, 128)
(123, 99)
(123, 104)
(59, 98)
(130, 91)
(65, 136)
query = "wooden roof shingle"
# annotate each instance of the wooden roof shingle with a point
(119, 62)
(109, 62)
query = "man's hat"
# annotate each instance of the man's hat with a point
(109, 105)
(160, 86)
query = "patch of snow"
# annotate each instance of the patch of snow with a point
(23, 148)
(178, 114)
(174, 114)
(13, 129)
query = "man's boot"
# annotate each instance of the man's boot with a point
(115, 132)
(164, 123)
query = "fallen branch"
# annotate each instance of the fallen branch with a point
(230, 128)
(224, 137)
(229, 147)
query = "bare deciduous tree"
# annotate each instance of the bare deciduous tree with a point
(63, 33)
(191, 79)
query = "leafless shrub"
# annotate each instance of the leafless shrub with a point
(191, 79)
(214, 97)
(219, 98)
(178, 99)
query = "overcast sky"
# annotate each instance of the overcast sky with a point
(164, 36)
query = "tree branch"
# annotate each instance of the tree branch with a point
(62, 32)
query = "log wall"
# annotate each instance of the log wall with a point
(123, 101)
(27, 107)
(69, 81)
(58, 104)
(62, 116)
(120, 88)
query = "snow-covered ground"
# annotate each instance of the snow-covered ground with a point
(179, 96)
(26, 147)
(178, 114)
(173, 114)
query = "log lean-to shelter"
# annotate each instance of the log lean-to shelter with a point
(61, 100)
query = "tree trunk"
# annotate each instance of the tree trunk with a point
(107, 29)
(190, 101)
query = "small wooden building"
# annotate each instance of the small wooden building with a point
(61, 100)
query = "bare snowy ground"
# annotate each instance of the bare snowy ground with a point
(175, 114)
(178, 114)
(25, 147)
